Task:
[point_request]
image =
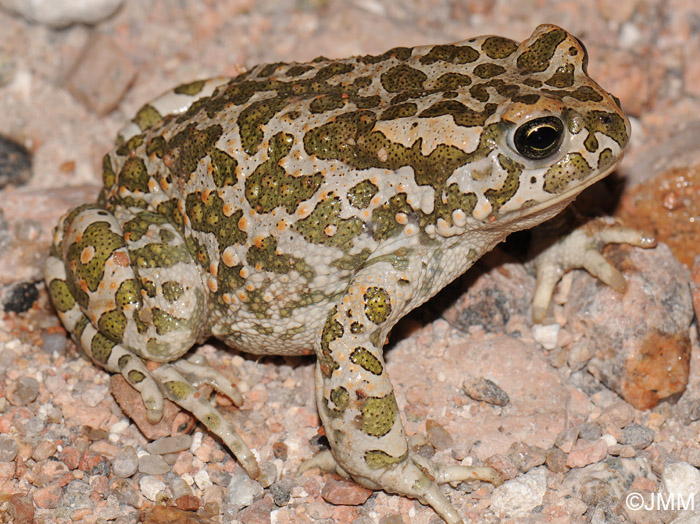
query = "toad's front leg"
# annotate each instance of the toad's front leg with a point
(356, 400)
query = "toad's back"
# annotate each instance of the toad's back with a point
(288, 179)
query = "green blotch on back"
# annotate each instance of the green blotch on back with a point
(403, 78)
(109, 177)
(450, 53)
(190, 89)
(462, 115)
(133, 175)
(223, 168)
(497, 47)
(562, 77)
(378, 415)
(538, 55)
(206, 214)
(147, 117)
(452, 81)
(361, 194)
(253, 117)
(377, 304)
(327, 214)
(270, 186)
(366, 360)
(489, 70)
(190, 146)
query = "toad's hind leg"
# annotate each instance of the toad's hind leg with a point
(106, 279)
(179, 380)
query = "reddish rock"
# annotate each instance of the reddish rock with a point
(48, 496)
(171, 515)
(188, 502)
(340, 491)
(174, 421)
(587, 452)
(641, 336)
(667, 206)
(695, 286)
(503, 465)
(21, 509)
(70, 456)
(258, 512)
(101, 76)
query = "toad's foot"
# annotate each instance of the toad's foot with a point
(180, 380)
(581, 249)
(416, 477)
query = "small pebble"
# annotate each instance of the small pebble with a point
(23, 392)
(201, 478)
(166, 445)
(526, 457)
(485, 390)
(344, 492)
(64, 13)
(8, 448)
(589, 431)
(243, 490)
(179, 488)
(15, 164)
(281, 491)
(438, 437)
(126, 463)
(151, 487)
(556, 461)
(54, 343)
(546, 336)
(520, 495)
(153, 465)
(639, 437)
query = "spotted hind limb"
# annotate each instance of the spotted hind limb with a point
(110, 293)
(582, 249)
(355, 397)
(180, 379)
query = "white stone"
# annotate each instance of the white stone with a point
(201, 478)
(151, 487)
(547, 335)
(521, 494)
(62, 13)
(680, 478)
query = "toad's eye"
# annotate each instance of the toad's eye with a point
(539, 138)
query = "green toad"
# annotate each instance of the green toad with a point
(303, 208)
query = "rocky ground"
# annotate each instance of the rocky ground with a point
(586, 415)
